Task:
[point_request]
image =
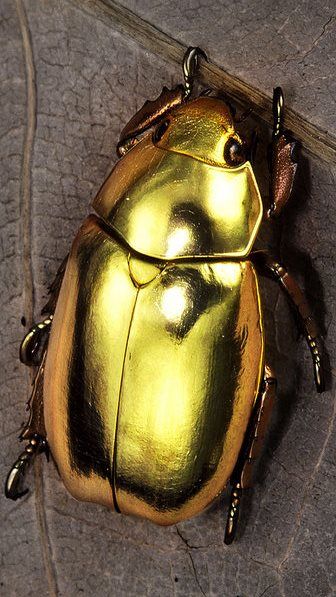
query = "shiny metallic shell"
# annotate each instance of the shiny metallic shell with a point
(151, 374)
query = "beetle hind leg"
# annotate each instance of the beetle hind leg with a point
(270, 267)
(242, 475)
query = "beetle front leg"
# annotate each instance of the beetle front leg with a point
(282, 164)
(253, 442)
(269, 266)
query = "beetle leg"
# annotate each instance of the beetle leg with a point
(282, 163)
(155, 110)
(33, 351)
(34, 432)
(278, 272)
(190, 67)
(54, 288)
(30, 349)
(35, 341)
(15, 477)
(242, 475)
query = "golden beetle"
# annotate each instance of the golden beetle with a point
(152, 389)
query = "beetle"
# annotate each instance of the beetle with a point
(152, 389)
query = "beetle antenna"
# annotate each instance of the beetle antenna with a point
(252, 147)
(243, 116)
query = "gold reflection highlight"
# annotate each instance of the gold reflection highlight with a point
(177, 241)
(173, 302)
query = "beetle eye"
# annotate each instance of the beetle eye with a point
(160, 131)
(234, 152)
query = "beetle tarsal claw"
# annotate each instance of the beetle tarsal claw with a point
(232, 521)
(14, 481)
(319, 378)
(318, 367)
(278, 111)
(15, 477)
(190, 67)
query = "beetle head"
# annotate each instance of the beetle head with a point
(202, 129)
